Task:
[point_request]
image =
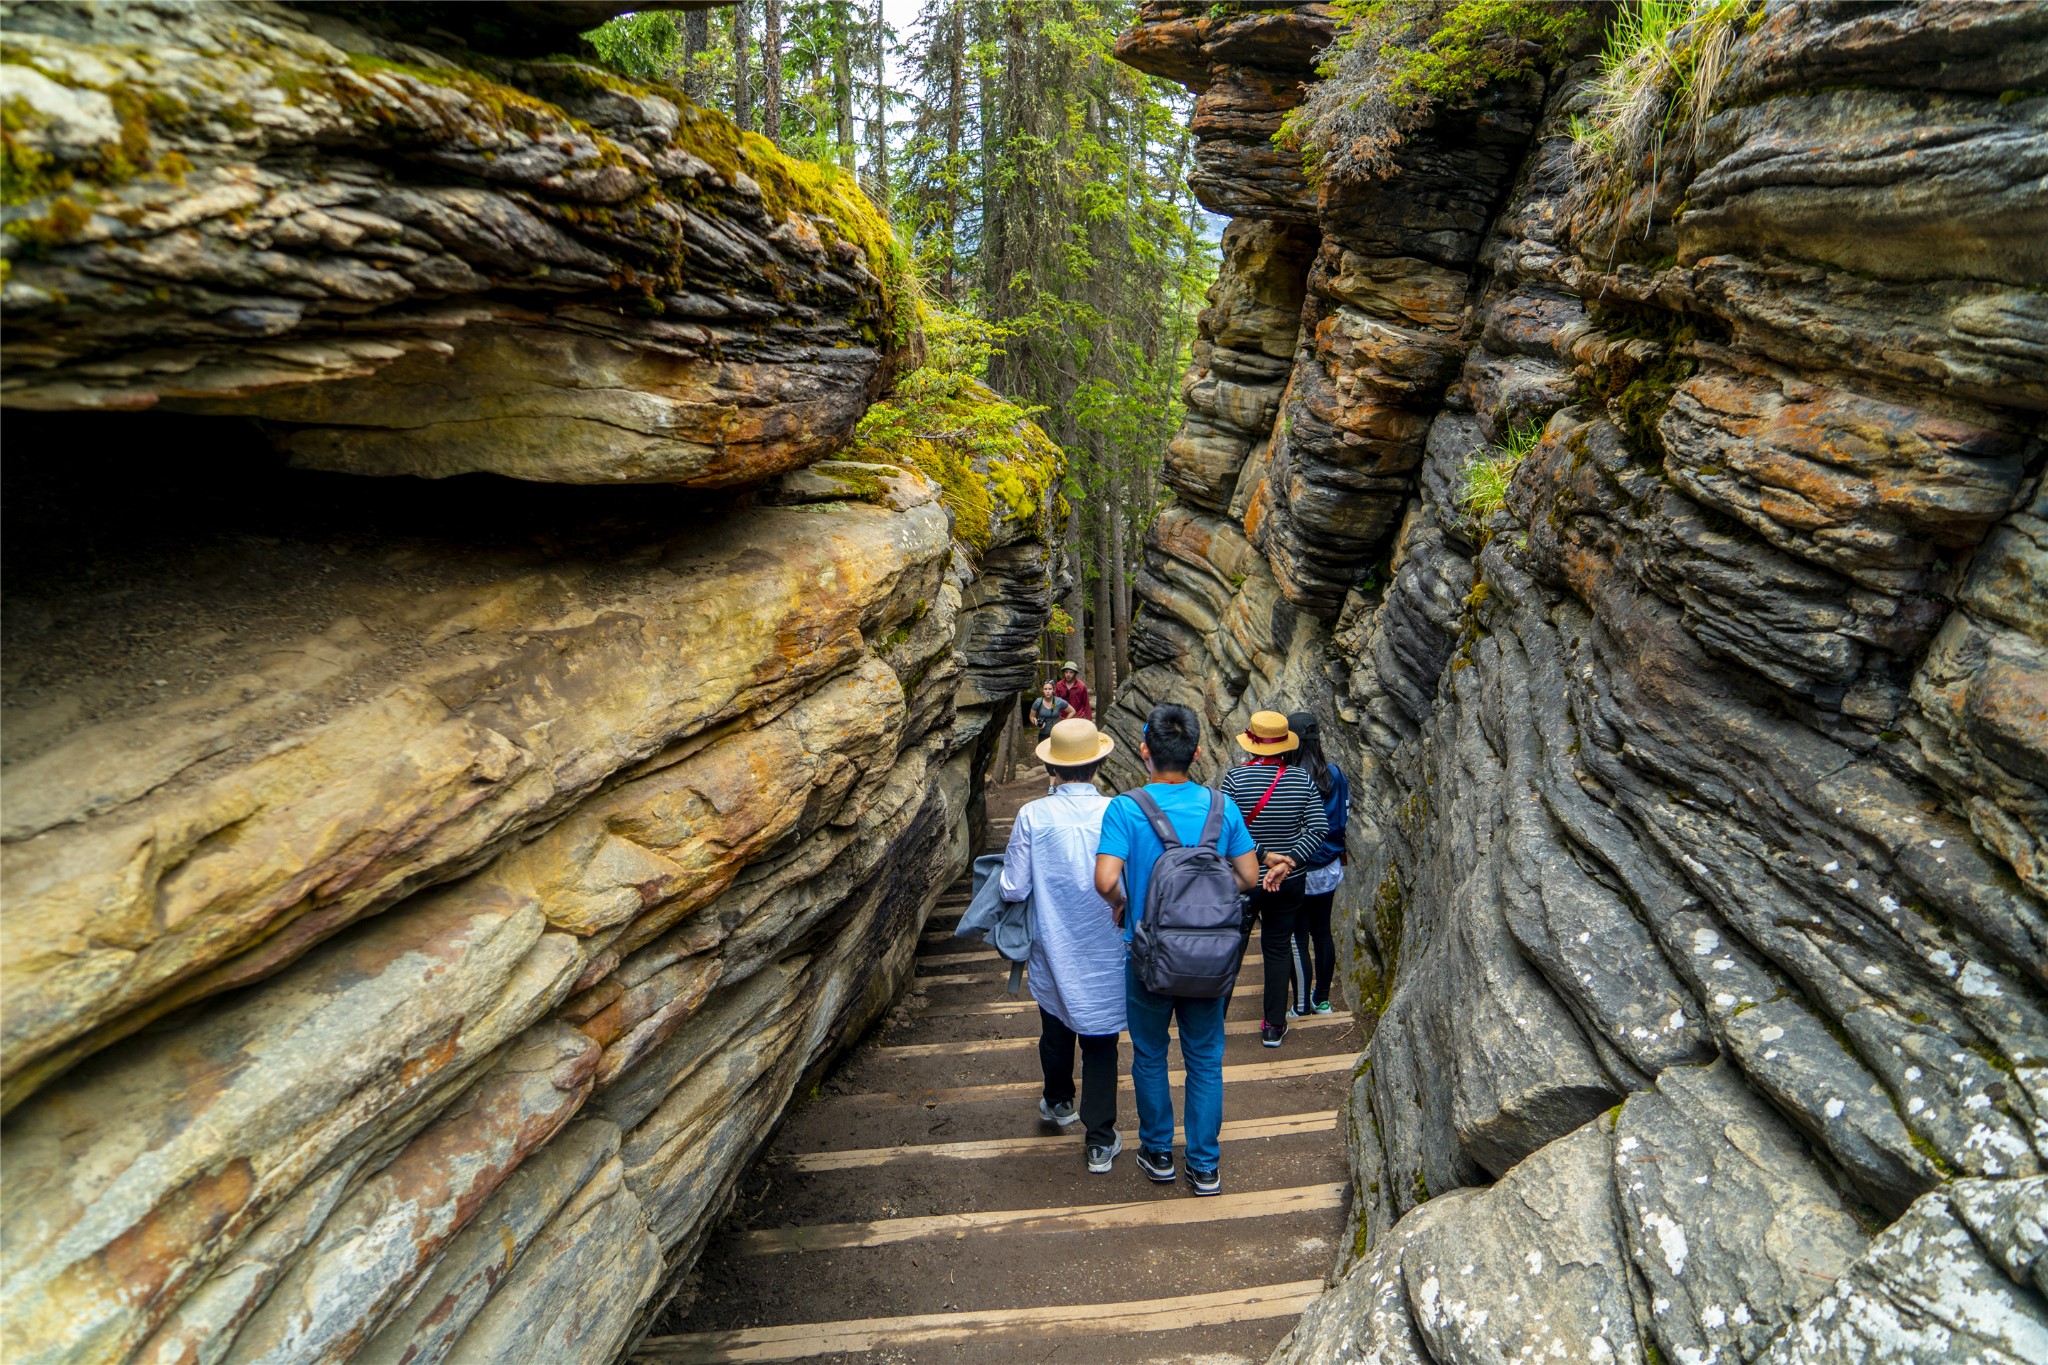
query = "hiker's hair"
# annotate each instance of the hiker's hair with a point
(1309, 752)
(1080, 772)
(1172, 734)
(1047, 683)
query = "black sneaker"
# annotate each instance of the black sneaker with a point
(1271, 1034)
(1158, 1165)
(1205, 1182)
(1100, 1159)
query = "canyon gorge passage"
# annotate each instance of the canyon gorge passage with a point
(518, 591)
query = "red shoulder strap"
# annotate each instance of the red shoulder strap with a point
(1267, 797)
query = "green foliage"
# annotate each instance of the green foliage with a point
(1395, 63)
(1637, 389)
(823, 41)
(1038, 185)
(1487, 42)
(647, 46)
(989, 460)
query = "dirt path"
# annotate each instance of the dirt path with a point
(918, 1211)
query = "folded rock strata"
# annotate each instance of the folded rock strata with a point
(423, 897)
(420, 263)
(1695, 885)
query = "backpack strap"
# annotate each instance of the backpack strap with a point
(1212, 828)
(1161, 826)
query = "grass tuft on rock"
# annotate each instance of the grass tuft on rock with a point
(1660, 67)
(1486, 479)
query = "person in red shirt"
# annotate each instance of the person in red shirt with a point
(1071, 690)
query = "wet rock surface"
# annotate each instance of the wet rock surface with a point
(425, 894)
(1694, 875)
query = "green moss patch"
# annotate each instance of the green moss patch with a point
(826, 195)
(988, 459)
(1396, 62)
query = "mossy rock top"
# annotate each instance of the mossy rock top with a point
(995, 468)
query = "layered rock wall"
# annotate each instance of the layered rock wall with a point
(422, 898)
(1694, 887)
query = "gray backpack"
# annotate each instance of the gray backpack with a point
(1189, 941)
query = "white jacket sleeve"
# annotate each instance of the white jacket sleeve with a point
(1017, 861)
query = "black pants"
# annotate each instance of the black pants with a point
(1098, 1074)
(1275, 913)
(1314, 943)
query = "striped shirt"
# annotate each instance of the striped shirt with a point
(1294, 820)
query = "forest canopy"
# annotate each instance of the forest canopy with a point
(1038, 187)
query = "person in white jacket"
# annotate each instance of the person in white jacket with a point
(1077, 952)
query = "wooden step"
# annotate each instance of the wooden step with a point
(797, 1341)
(1323, 1120)
(1285, 1068)
(1074, 1218)
(1334, 1019)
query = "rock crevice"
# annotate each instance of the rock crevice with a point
(1694, 880)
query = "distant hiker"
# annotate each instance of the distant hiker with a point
(1285, 814)
(1313, 943)
(1125, 860)
(1077, 955)
(1073, 691)
(1047, 710)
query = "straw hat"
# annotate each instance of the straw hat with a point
(1267, 733)
(1074, 744)
(1070, 667)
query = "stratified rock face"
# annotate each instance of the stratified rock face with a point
(1696, 880)
(1247, 66)
(427, 267)
(423, 898)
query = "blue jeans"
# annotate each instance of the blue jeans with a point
(1201, 1050)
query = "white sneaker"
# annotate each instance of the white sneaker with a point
(1062, 1113)
(1099, 1158)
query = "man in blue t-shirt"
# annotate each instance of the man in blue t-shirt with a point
(1123, 871)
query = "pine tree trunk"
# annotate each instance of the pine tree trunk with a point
(878, 130)
(956, 101)
(1121, 590)
(1105, 615)
(742, 87)
(1012, 741)
(696, 38)
(991, 211)
(771, 70)
(1077, 595)
(842, 100)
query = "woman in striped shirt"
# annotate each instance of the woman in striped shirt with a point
(1286, 816)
